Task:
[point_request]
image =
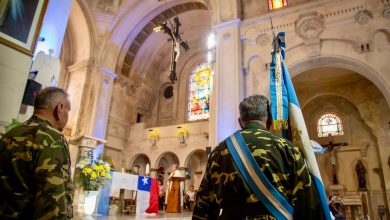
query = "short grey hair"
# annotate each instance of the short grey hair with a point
(254, 107)
(49, 97)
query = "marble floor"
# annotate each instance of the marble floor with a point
(162, 215)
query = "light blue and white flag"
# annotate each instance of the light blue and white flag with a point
(284, 106)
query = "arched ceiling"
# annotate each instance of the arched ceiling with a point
(335, 81)
(194, 23)
(324, 77)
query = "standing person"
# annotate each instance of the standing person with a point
(228, 192)
(161, 195)
(174, 198)
(35, 163)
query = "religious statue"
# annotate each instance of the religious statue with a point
(361, 173)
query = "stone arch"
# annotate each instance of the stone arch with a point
(196, 164)
(126, 27)
(164, 163)
(170, 157)
(80, 35)
(140, 164)
(345, 63)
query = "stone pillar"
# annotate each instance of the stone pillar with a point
(227, 91)
(372, 117)
(78, 88)
(85, 144)
(227, 88)
(153, 172)
(183, 184)
(101, 108)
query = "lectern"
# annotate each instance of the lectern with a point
(174, 195)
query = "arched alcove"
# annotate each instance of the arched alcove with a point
(345, 63)
(140, 164)
(196, 164)
(164, 163)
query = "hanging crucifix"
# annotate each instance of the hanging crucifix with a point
(331, 147)
(177, 44)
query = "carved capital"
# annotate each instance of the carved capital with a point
(363, 16)
(263, 40)
(309, 26)
(386, 11)
(87, 141)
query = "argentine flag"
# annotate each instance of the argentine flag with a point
(284, 106)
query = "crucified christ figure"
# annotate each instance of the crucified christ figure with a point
(331, 147)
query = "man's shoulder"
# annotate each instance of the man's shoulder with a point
(261, 135)
(33, 131)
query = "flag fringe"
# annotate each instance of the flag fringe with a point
(280, 124)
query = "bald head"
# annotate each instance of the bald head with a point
(52, 104)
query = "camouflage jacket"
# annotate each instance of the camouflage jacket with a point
(35, 178)
(223, 187)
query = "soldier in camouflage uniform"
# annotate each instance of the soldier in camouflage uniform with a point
(223, 187)
(35, 178)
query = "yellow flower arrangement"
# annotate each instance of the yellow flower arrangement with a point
(93, 173)
(153, 135)
(182, 132)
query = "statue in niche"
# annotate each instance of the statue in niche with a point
(361, 173)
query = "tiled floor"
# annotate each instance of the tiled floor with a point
(166, 216)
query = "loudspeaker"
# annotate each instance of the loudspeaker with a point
(32, 87)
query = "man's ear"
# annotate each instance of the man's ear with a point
(57, 110)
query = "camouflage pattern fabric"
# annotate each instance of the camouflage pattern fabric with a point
(223, 187)
(35, 178)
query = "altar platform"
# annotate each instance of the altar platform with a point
(162, 215)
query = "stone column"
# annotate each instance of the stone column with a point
(372, 117)
(85, 144)
(227, 91)
(101, 108)
(77, 87)
(183, 184)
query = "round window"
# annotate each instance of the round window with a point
(168, 92)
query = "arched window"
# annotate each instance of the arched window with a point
(275, 4)
(199, 92)
(329, 123)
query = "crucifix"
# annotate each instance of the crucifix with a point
(331, 147)
(177, 44)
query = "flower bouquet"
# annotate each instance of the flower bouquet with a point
(93, 173)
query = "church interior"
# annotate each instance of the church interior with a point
(154, 83)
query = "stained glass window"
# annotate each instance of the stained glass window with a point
(275, 4)
(199, 93)
(329, 123)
